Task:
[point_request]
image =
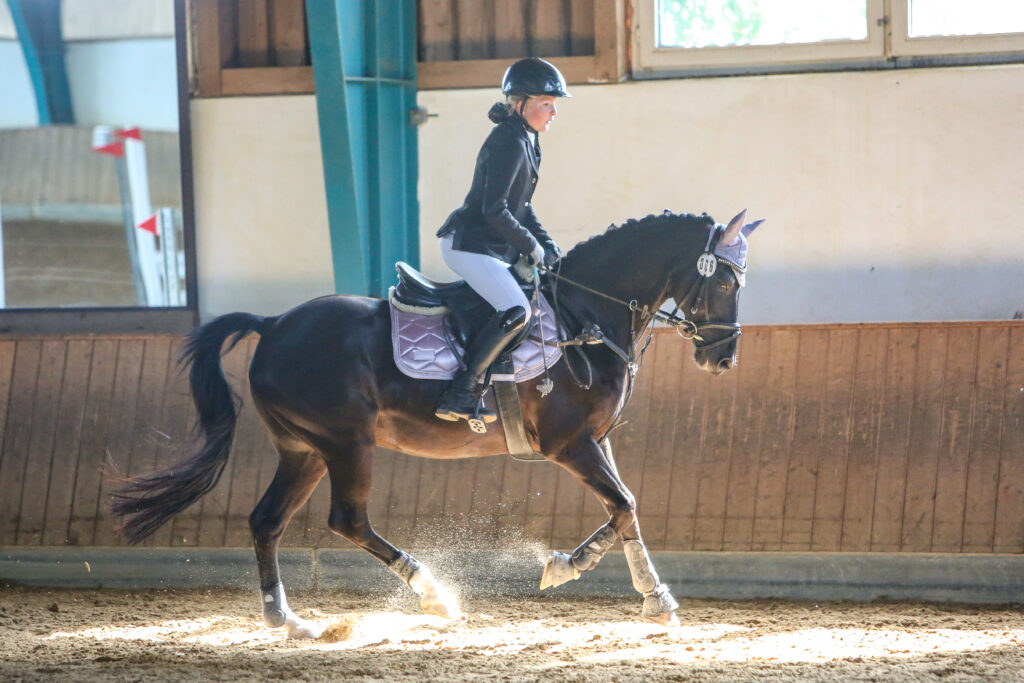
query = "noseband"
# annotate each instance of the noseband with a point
(707, 265)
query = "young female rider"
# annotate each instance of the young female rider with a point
(496, 224)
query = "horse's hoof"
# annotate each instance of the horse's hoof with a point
(558, 569)
(441, 606)
(659, 604)
(302, 629)
(665, 619)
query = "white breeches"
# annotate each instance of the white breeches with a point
(489, 277)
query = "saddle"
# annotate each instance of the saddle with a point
(432, 322)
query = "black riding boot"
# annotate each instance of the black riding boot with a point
(461, 400)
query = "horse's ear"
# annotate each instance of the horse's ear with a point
(751, 227)
(732, 231)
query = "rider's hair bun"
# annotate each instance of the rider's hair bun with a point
(499, 112)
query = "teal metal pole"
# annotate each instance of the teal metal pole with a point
(349, 243)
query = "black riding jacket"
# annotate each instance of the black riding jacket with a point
(497, 217)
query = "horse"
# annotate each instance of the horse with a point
(326, 386)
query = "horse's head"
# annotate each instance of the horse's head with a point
(710, 297)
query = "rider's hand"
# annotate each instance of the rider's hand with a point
(551, 255)
(536, 257)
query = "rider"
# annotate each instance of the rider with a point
(496, 224)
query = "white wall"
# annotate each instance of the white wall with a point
(262, 237)
(889, 195)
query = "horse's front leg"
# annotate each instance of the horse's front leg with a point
(594, 467)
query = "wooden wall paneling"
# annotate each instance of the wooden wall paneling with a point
(253, 33)
(85, 507)
(549, 28)
(751, 394)
(631, 439)
(456, 509)
(251, 452)
(379, 506)
(986, 429)
(541, 496)
(581, 27)
(66, 442)
(288, 33)
(955, 441)
(401, 525)
(436, 20)
(40, 452)
(893, 439)
(713, 482)
(124, 406)
(510, 29)
(776, 440)
(429, 490)
(474, 31)
(208, 59)
(486, 498)
(861, 462)
(802, 475)
(18, 435)
(7, 353)
(695, 388)
(214, 506)
(925, 430)
(610, 42)
(835, 434)
(515, 490)
(227, 23)
(156, 363)
(174, 445)
(1009, 531)
(667, 356)
(567, 511)
(274, 80)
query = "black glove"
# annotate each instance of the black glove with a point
(551, 255)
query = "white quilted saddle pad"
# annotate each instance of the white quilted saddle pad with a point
(421, 351)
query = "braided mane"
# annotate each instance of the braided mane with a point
(617, 238)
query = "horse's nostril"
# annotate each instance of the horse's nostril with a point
(725, 363)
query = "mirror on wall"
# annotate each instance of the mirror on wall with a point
(90, 177)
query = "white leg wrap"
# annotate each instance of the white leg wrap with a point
(276, 613)
(275, 606)
(434, 598)
(659, 605)
(593, 549)
(645, 579)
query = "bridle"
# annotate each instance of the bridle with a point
(707, 265)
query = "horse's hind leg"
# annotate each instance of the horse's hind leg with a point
(594, 467)
(298, 473)
(350, 467)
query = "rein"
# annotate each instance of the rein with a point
(686, 329)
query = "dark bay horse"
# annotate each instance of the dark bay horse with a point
(325, 383)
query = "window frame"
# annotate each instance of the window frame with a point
(903, 45)
(135, 319)
(888, 46)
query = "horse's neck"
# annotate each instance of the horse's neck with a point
(640, 276)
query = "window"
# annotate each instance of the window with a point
(710, 36)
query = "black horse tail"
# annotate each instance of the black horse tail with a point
(146, 502)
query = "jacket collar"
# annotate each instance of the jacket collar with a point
(518, 124)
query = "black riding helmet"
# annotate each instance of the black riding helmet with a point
(533, 76)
